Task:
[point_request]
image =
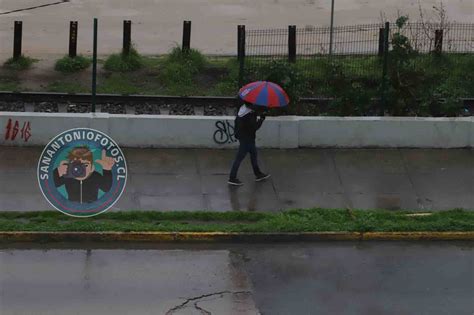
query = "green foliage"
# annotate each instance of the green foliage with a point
(401, 21)
(191, 58)
(9, 84)
(178, 78)
(283, 73)
(117, 83)
(21, 63)
(350, 97)
(444, 100)
(71, 65)
(286, 75)
(352, 101)
(302, 220)
(423, 85)
(66, 87)
(179, 69)
(406, 80)
(124, 63)
(229, 84)
(461, 74)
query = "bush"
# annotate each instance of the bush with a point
(283, 73)
(425, 85)
(21, 63)
(179, 69)
(71, 65)
(350, 96)
(229, 85)
(178, 79)
(287, 76)
(193, 58)
(405, 79)
(443, 100)
(462, 74)
(124, 63)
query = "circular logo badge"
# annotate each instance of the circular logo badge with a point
(82, 172)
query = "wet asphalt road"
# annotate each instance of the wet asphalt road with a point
(305, 278)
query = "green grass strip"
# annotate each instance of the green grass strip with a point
(306, 220)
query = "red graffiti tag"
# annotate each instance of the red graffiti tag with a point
(12, 130)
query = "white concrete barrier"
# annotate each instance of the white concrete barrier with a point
(27, 129)
(416, 132)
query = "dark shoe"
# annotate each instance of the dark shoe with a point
(235, 182)
(261, 177)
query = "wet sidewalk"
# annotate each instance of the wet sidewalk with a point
(184, 179)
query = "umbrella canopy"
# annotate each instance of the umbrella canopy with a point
(264, 93)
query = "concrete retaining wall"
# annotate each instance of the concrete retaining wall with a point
(217, 132)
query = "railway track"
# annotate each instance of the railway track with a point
(139, 104)
(124, 104)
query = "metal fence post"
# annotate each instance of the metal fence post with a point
(241, 52)
(72, 39)
(240, 42)
(186, 36)
(438, 41)
(331, 28)
(292, 43)
(385, 68)
(94, 66)
(127, 37)
(17, 38)
(381, 41)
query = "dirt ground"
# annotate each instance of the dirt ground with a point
(157, 24)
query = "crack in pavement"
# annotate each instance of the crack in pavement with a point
(197, 298)
(35, 7)
(203, 311)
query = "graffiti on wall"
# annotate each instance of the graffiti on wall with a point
(224, 132)
(16, 129)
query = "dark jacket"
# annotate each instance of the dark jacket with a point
(86, 190)
(247, 126)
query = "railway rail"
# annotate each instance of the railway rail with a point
(140, 104)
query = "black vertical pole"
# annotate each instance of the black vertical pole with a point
(73, 39)
(438, 41)
(240, 41)
(292, 43)
(385, 68)
(17, 38)
(331, 29)
(381, 41)
(94, 66)
(127, 37)
(241, 52)
(186, 36)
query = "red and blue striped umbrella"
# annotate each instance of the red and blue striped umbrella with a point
(264, 93)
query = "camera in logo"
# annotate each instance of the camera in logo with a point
(76, 169)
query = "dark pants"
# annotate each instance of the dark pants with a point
(244, 148)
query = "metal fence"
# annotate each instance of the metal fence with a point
(454, 37)
(356, 46)
(311, 41)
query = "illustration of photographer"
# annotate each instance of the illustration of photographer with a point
(78, 174)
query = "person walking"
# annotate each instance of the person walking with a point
(249, 119)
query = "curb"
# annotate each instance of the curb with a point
(169, 237)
